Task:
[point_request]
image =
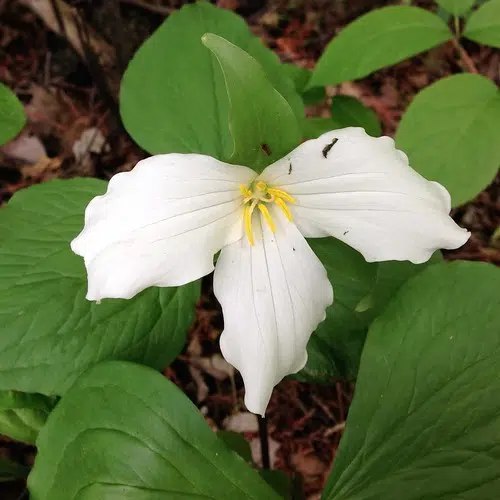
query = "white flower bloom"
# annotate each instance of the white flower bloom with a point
(162, 223)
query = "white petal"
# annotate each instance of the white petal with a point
(273, 296)
(160, 224)
(365, 194)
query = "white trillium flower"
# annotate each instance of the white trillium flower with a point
(162, 223)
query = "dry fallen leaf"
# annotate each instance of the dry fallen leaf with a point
(308, 465)
(241, 422)
(201, 386)
(26, 148)
(274, 446)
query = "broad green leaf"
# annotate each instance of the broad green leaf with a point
(336, 345)
(314, 127)
(425, 420)
(314, 96)
(262, 123)
(22, 415)
(237, 443)
(10, 471)
(456, 7)
(361, 290)
(350, 112)
(49, 332)
(450, 133)
(174, 100)
(391, 276)
(12, 117)
(483, 26)
(378, 39)
(125, 432)
(300, 77)
(279, 482)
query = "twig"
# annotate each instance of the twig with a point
(60, 17)
(158, 9)
(325, 408)
(336, 428)
(264, 442)
(466, 59)
(95, 68)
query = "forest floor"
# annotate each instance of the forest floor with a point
(64, 98)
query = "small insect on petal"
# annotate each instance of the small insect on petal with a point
(327, 148)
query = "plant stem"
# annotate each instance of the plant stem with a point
(456, 26)
(468, 62)
(264, 442)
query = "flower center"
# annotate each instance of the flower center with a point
(258, 194)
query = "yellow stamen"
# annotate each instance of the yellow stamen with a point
(284, 208)
(278, 193)
(247, 222)
(267, 216)
(245, 191)
(259, 194)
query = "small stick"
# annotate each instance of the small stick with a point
(158, 9)
(466, 59)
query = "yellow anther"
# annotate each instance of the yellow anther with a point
(284, 208)
(278, 193)
(247, 222)
(259, 194)
(267, 216)
(245, 191)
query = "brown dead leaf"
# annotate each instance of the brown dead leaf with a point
(274, 446)
(27, 148)
(45, 169)
(241, 422)
(201, 386)
(308, 465)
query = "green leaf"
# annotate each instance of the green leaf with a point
(261, 121)
(335, 346)
(10, 471)
(279, 482)
(425, 420)
(450, 134)
(125, 432)
(361, 291)
(378, 39)
(314, 96)
(237, 443)
(483, 26)
(12, 117)
(299, 76)
(175, 100)
(314, 127)
(22, 415)
(456, 7)
(391, 276)
(350, 112)
(49, 332)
